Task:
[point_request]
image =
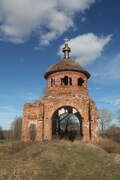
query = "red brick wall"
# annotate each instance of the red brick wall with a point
(41, 113)
(74, 89)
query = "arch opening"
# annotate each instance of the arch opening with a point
(66, 81)
(32, 132)
(80, 82)
(67, 123)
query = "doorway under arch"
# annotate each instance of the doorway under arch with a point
(67, 123)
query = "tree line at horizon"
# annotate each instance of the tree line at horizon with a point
(107, 127)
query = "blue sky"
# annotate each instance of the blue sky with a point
(31, 35)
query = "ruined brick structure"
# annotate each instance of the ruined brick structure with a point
(66, 96)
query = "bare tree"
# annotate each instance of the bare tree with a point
(16, 128)
(112, 133)
(105, 119)
(8, 134)
(118, 116)
(1, 133)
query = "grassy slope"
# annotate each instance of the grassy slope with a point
(57, 161)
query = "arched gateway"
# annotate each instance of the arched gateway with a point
(67, 123)
(66, 110)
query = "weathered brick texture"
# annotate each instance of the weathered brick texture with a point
(59, 95)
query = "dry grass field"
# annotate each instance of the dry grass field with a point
(57, 160)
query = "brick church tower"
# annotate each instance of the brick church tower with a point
(66, 110)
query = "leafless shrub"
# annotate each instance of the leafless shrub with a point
(110, 146)
(112, 133)
(16, 128)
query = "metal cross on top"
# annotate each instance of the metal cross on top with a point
(66, 49)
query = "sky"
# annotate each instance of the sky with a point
(31, 36)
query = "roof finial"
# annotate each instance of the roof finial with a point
(66, 49)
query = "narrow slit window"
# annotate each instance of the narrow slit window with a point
(70, 81)
(54, 82)
(62, 81)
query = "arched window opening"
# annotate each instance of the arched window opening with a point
(80, 81)
(67, 123)
(32, 131)
(66, 81)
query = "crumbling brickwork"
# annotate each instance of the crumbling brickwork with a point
(66, 87)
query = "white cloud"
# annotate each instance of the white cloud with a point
(88, 47)
(48, 18)
(75, 5)
(32, 97)
(6, 108)
(110, 100)
(117, 102)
